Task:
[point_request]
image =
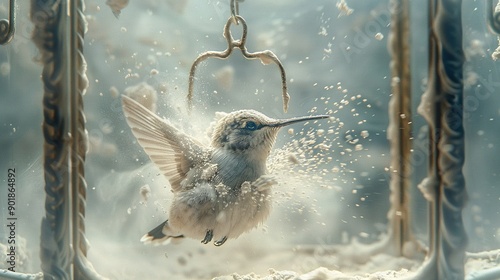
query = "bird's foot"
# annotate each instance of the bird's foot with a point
(221, 241)
(208, 236)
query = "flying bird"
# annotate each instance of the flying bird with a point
(220, 191)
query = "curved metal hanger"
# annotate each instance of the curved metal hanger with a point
(266, 56)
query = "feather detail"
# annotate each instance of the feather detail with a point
(174, 152)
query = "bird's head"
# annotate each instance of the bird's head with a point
(249, 131)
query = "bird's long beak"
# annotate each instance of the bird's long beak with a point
(284, 122)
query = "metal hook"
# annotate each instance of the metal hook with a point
(235, 10)
(493, 16)
(265, 57)
(7, 25)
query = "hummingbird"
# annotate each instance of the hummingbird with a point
(219, 191)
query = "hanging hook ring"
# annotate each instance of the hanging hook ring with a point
(266, 57)
(235, 11)
(493, 15)
(7, 25)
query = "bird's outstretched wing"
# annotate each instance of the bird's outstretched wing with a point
(174, 152)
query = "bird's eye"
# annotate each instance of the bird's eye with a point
(251, 125)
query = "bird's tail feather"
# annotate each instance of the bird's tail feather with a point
(157, 236)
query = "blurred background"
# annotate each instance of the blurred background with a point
(337, 62)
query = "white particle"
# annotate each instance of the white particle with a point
(293, 159)
(364, 234)
(114, 91)
(5, 69)
(145, 192)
